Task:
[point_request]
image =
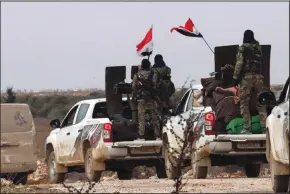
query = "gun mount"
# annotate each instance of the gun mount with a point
(116, 87)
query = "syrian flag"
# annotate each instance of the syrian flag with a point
(188, 29)
(145, 47)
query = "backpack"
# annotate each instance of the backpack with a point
(166, 87)
(145, 87)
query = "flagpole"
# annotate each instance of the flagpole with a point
(207, 45)
(152, 43)
(205, 41)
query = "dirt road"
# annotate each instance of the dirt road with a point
(225, 185)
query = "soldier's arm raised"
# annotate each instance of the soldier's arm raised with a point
(239, 63)
(134, 83)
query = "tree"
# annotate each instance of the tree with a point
(10, 96)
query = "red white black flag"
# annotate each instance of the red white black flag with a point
(145, 47)
(188, 30)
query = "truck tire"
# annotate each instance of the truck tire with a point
(279, 182)
(124, 174)
(171, 171)
(252, 170)
(91, 174)
(54, 177)
(20, 178)
(199, 172)
(160, 169)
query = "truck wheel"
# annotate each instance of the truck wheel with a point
(160, 169)
(171, 171)
(124, 174)
(91, 174)
(252, 170)
(20, 178)
(199, 172)
(279, 182)
(53, 176)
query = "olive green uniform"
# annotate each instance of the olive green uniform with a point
(249, 66)
(148, 105)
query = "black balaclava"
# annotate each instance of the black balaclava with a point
(249, 37)
(158, 60)
(145, 64)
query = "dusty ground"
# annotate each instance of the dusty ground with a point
(224, 185)
(221, 179)
(239, 185)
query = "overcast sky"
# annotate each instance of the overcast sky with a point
(67, 45)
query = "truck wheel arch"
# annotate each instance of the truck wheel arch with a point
(85, 146)
(164, 142)
(164, 138)
(268, 144)
(48, 149)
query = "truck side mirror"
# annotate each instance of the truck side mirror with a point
(55, 123)
(174, 110)
(267, 99)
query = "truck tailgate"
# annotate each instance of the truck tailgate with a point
(138, 143)
(241, 138)
(244, 144)
(138, 148)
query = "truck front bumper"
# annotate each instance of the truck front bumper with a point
(18, 167)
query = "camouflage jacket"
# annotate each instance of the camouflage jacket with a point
(161, 73)
(145, 75)
(249, 58)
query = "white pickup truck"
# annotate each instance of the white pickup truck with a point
(210, 146)
(278, 138)
(84, 140)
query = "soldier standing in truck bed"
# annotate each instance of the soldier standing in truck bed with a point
(248, 70)
(165, 88)
(144, 88)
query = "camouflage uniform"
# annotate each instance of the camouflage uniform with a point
(250, 56)
(162, 74)
(145, 106)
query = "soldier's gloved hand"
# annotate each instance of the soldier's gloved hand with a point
(235, 82)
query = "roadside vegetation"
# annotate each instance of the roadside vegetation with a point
(55, 104)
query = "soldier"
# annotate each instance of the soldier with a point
(143, 86)
(248, 73)
(165, 88)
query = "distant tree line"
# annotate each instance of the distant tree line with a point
(48, 106)
(55, 106)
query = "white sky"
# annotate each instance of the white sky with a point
(67, 45)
